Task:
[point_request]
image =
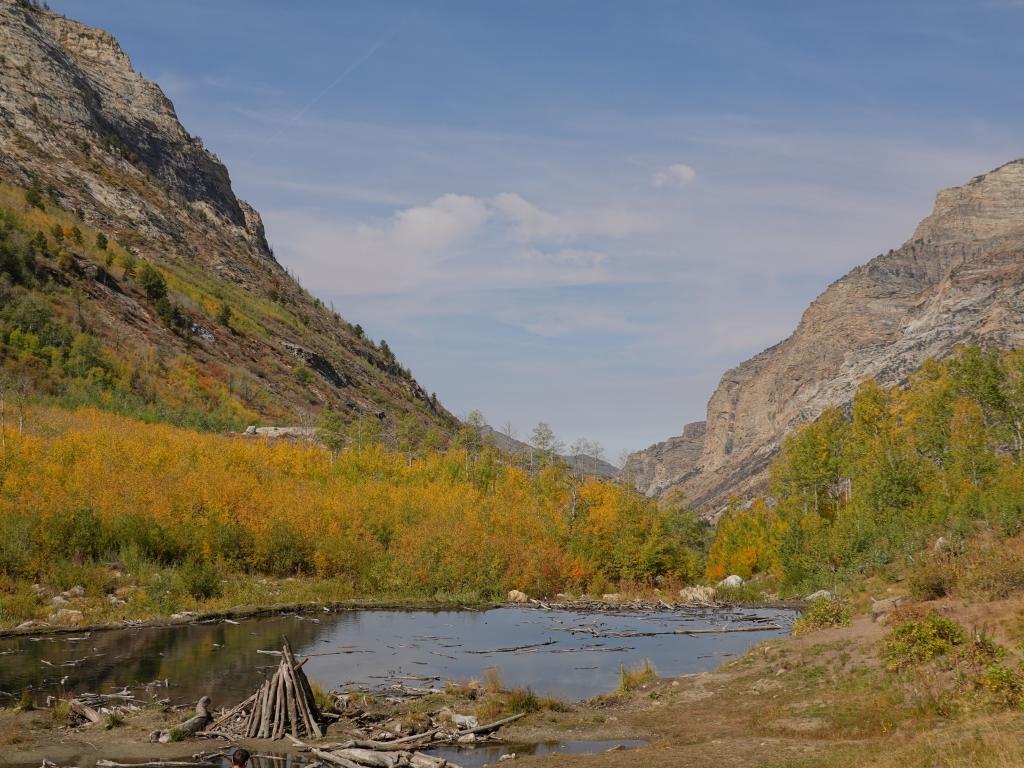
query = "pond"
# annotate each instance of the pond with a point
(561, 653)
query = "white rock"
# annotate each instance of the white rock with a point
(697, 594)
(515, 596)
(821, 594)
(941, 544)
(465, 722)
(58, 600)
(731, 581)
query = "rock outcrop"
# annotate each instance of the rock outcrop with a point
(100, 143)
(959, 279)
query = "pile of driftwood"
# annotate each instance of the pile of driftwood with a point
(282, 705)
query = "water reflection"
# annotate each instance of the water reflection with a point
(374, 648)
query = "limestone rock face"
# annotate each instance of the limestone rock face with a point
(959, 279)
(666, 464)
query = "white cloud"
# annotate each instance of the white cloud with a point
(394, 255)
(533, 223)
(676, 175)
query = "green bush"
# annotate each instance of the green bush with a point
(200, 579)
(821, 614)
(74, 535)
(915, 642)
(152, 282)
(18, 544)
(283, 552)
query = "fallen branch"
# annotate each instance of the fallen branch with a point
(491, 726)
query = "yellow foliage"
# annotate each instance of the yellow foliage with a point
(91, 485)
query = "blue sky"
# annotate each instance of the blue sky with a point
(583, 212)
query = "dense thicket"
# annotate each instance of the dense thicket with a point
(855, 493)
(90, 486)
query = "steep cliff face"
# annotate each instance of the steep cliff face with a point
(960, 278)
(107, 151)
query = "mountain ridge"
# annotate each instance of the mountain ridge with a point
(100, 148)
(958, 279)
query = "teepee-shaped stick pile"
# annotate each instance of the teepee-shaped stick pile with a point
(283, 704)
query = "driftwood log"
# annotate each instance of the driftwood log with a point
(190, 727)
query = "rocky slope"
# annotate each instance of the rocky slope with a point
(106, 149)
(960, 278)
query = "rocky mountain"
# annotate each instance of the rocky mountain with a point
(959, 279)
(101, 188)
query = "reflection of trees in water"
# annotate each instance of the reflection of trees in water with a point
(217, 659)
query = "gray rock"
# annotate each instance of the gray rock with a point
(515, 596)
(821, 594)
(941, 544)
(880, 608)
(76, 591)
(731, 582)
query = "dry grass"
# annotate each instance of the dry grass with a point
(632, 678)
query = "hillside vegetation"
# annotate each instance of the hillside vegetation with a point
(916, 480)
(174, 519)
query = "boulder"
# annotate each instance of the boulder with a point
(58, 600)
(732, 581)
(515, 596)
(698, 594)
(67, 616)
(821, 594)
(941, 544)
(76, 591)
(881, 608)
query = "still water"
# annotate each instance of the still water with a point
(377, 648)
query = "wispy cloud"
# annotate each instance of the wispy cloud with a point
(675, 175)
(535, 224)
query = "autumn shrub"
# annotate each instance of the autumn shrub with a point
(919, 641)
(931, 579)
(18, 604)
(200, 579)
(995, 577)
(822, 614)
(1002, 685)
(153, 498)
